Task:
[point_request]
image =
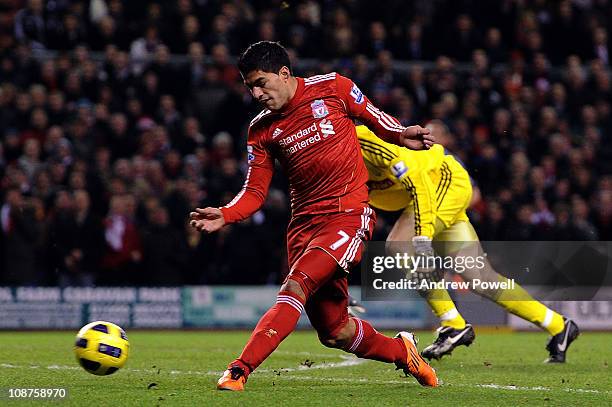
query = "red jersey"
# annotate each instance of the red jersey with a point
(314, 139)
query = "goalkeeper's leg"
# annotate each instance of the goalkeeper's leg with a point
(444, 308)
(519, 302)
(399, 241)
(454, 331)
(515, 300)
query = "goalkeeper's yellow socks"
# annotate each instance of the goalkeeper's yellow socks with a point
(443, 306)
(520, 303)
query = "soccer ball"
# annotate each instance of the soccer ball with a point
(101, 348)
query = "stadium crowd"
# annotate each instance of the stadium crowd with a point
(137, 115)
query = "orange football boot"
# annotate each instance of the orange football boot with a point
(415, 365)
(233, 379)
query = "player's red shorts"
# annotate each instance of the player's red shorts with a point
(341, 236)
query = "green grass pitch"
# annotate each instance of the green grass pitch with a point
(181, 368)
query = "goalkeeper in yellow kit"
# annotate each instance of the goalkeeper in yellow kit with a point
(433, 191)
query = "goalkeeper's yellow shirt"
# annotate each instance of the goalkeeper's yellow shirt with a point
(430, 182)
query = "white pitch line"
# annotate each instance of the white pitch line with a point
(539, 388)
(314, 355)
(349, 361)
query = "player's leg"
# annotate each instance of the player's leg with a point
(341, 241)
(327, 311)
(516, 299)
(439, 300)
(316, 247)
(280, 320)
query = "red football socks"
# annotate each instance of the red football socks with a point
(280, 321)
(368, 343)
(272, 328)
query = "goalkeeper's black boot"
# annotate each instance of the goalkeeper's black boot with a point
(558, 344)
(448, 339)
(355, 307)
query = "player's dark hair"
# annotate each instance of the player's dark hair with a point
(266, 56)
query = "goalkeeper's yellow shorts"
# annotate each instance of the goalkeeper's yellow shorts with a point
(453, 192)
(452, 199)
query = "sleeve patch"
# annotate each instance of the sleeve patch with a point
(399, 168)
(250, 155)
(357, 95)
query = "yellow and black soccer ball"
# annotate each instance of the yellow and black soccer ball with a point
(101, 348)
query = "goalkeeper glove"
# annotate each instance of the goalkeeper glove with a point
(422, 246)
(426, 269)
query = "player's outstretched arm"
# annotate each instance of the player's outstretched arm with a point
(417, 138)
(254, 191)
(207, 219)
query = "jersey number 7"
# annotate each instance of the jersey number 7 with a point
(343, 239)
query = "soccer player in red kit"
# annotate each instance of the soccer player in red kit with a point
(308, 126)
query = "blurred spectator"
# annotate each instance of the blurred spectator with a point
(123, 256)
(340, 38)
(164, 70)
(76, 240)
(30, 24)
(168, 115)
(522, 229)
(166, 258)
(494, 224)
(143, 48)
(30, 160)
(493, 46)
(68, 33)
(21, 240)
(121, 141)
(462, 38)
(193, 71)
(377, 40)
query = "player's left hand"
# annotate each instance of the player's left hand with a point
(417, 138)
(207, 219)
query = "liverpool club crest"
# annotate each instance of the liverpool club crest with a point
(319, 110)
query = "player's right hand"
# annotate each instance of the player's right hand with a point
(207, 219)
